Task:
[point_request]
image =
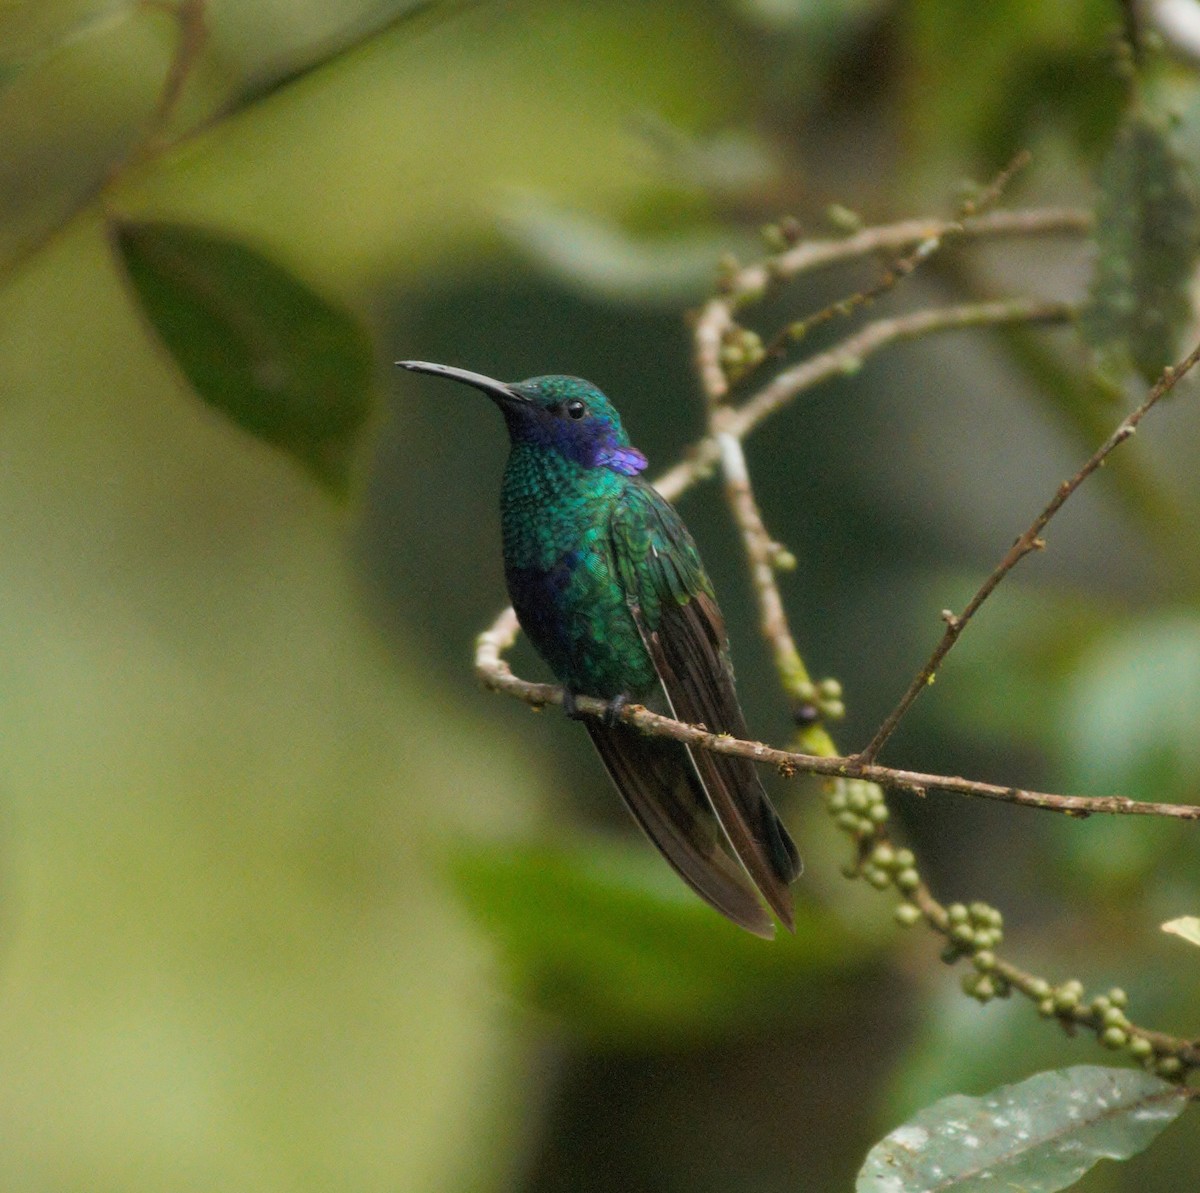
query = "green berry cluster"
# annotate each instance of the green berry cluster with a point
(741, 351)
(1105, 1014)
(887, 866)
(858, 808)
(825, 698)
(985, 986)
(975, 931)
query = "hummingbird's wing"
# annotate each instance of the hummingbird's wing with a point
(673, 604)
(661, 788)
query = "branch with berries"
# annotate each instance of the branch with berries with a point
(727, 356)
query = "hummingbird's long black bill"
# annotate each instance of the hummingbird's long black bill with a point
(488, 385)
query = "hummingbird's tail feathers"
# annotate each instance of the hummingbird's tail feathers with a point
(672, 603)
(660, 786)
(755, 831)
(785, 857)
(689, 652)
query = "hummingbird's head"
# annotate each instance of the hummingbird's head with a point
(563, 414)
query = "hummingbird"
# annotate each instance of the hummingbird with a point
(608, 585)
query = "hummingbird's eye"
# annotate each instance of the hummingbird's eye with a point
(575, 408)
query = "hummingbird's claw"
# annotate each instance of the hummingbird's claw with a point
(612, 714)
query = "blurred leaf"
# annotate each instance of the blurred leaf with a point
(1037, 1136)
(1007, 681)
(827, 19)
(729, 164)
(70, 114)
(610, 941)
(257, 344)
(1029, 60)
(1148, 240)
(1130, 717)
(284, 49)
(1127, 727)
(1187, 926)
(598, 258)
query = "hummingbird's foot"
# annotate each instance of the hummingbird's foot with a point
(612, 714)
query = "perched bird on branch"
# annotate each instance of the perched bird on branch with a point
(608, 585)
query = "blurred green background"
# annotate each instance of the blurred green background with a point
(287, 902)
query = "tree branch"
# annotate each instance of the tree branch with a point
(854, 793)
(497, 676)
(752, 282)
(848, 357)
(765, 556)
(1031, 540)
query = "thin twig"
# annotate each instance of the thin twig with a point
(191, 16)
(763, 553)
(1031, 540)
(1081, 1014)
(496, 674)
(1085, 1015)
(848, 357)
(716, 318)
(901, 267)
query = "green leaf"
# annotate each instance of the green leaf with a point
(256, 343)
(608, 940)
(1038, 1136)
(1148, 241)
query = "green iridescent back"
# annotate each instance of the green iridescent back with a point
(565, 583)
